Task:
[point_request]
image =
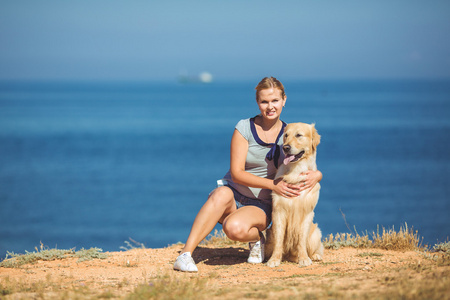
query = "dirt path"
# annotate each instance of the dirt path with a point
(343, 272)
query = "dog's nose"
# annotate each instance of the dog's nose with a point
(286, 148)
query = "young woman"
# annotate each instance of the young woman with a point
(244, 205)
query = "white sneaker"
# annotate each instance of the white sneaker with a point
(185, 263)
(256, 251)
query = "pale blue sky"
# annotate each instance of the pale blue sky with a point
(155, 40)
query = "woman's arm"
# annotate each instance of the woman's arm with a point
(239, 149)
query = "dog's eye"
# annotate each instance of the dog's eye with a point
(286, 135)
(298, 135)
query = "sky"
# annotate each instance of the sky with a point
(233, 40)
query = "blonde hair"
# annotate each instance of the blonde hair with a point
(269, 83)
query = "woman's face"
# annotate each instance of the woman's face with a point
(270, 103)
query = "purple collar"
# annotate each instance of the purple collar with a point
(274, 152)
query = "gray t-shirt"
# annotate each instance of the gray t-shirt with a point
(257, 162)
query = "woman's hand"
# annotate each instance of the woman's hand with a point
(285, 189)
(311, 178)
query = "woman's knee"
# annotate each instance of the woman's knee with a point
(235, 230)
(222, 196)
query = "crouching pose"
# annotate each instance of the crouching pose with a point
(244, 204)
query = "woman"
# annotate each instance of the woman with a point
(243, 205)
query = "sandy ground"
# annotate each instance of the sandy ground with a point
(347, 269)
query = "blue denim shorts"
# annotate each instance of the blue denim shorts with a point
(242, 201)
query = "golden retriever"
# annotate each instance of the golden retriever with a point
(293, 235)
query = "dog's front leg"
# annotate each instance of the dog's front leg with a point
(303, 258)
(278, 230)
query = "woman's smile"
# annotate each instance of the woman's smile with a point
(271, 113)
(271, 102)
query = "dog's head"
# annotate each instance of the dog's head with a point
(300, 141)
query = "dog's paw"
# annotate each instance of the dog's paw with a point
(273, 263)
(316, 257)
(304, 262)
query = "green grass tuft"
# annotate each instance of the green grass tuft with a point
(339, 240)
(442, 247)
(90, 254)
(370, 254)
(14, 260)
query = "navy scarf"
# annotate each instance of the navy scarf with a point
(275, 150)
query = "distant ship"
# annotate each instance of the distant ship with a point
(204, 77)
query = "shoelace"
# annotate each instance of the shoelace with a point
(256, 250)
(186, 259)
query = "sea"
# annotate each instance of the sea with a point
(110, 164)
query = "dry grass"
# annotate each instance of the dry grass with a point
(132, 244)
(389, 239)
(49, 289)
(167, 287)
(410, 281)
(402, 240)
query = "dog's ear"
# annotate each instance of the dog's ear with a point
(315, 137)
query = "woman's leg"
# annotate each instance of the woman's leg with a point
(244, 224)
(218, 206)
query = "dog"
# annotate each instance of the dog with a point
(293, 235)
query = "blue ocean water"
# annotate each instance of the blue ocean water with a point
(91, 164)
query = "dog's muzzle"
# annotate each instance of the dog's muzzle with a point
(291, 157)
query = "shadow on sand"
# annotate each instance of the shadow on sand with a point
(220, 256)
